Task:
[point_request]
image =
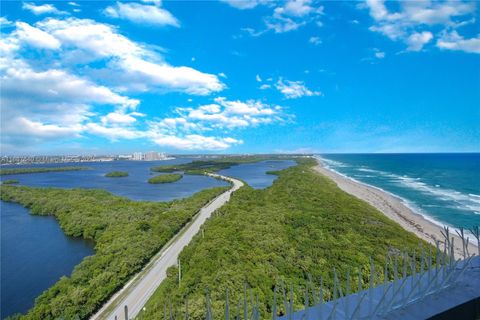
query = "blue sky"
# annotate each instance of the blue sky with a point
(254, 76)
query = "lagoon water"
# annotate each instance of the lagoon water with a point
(445, 188)
(134, 187)
(35, 252)
(255, 174)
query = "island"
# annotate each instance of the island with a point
(212, 165)
(165, 178)
(116, 174)
(4, 172)
(11, 181)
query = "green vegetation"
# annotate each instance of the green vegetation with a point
(39, 170)
(117, 174)
(165, 178)
(11, 181)
(211, 165)
(126, 233)
(303, 224)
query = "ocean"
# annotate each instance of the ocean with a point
(444, 188)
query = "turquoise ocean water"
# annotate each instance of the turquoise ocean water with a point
(444, 188)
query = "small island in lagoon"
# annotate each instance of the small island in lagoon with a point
(11, 181)
(165, 178)
(116, 174)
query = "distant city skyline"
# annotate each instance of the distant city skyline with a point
(299, 76)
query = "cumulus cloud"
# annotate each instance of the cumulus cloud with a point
(131, 64)
(417, 40)
(295, 89)
(414, 21)
(35, 37)
(188, 127)
(4, 22)
(286, 16)
(244, 4)
(194, 142)
(292, 15)
(52, 104)
(142, 14)
(41, 9)
(453, 41)
(315, 40)
(46, 99)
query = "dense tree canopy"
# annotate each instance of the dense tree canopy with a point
(165, 178)
(126, 235)
(303, 224)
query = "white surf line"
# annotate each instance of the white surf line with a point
(136, 292)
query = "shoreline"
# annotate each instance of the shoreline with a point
(395, 209)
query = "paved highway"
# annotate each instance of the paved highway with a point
(137, 292)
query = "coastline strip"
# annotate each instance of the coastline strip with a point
(392, 207)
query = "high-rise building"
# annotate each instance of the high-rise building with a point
(152, 156)
(138, 156)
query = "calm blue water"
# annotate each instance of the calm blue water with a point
(443, 187)
(255, 174)
(134, 187)
(35, 253)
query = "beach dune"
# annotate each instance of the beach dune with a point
(395, 209)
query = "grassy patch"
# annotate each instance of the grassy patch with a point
(39, 170)
(11, 181)
(302, 225)
(117, 174)
(126, 235)
(165, 178)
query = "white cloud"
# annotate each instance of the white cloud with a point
(4, 22)
(142, 14)
(295, 89)
(414, 22)
(453, 41)
(35, 37)
(187, 129)
(315, 40)
(195, 142)
(417, 40)
(20, 128)
(131, 64)
(74, 4)
(244, 4)
(287, 15)
(184, 79)
(92, 38)
(44, 100)
(265, 86)
(292, 15)
(50, 105)
(120, 117)
(58, 86)
(258, 78)
(113, 133)
(379, 55)
(41, 9)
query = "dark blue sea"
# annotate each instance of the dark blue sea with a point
(35, 252)
(445, 188)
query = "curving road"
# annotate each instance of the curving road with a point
(137, 292)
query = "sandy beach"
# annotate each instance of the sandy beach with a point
(395, 209)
